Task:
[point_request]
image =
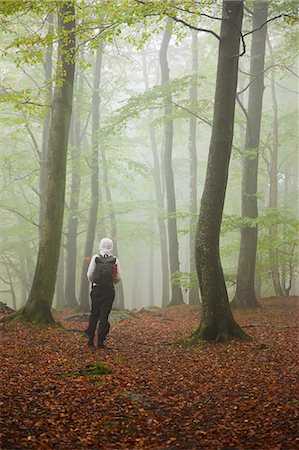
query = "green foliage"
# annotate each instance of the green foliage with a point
(185, 280)
(153, 98)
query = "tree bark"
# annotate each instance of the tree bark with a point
(217, 323)
(193, 291)
(46, 129)
(245, 291)
(159, 198)
(119, 302)
(95, 195)
(38, 305)
(176, 292)
(60, 279)
(73, 213)
(273, 190)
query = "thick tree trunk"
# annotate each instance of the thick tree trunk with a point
(38, 306)
(159, 198)
(193, 292)
(176, 292)
(217, 322)
(245, 291)
(60, 299)
(95, 196)
(46, 129)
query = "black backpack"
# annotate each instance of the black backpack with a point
(103, 272)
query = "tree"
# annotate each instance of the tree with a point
(46, 127)
(217, 323)
(176, 292)
(159, 193)
(73, 210)
(193, 291)
(119, 302)
(245, 291)
(94, 180)
(38, 305)
(273, 180)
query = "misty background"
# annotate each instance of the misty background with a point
(131, 116)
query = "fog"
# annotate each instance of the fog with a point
(130, 69)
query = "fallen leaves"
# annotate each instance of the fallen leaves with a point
(156, 394)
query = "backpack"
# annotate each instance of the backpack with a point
(103, 272)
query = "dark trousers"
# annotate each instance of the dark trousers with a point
(101, 304)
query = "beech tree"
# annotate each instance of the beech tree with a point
(159, 193)
(193, 291)
(38, 305)
(245, 291)
(176, 292)
(217, 323)
(95, 189)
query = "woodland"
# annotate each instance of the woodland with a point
(172, 128)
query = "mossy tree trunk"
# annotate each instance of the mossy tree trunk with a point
(176, 292)
(217, 323)
(245, 291)
(38, 305)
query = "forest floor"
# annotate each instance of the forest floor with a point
(158, 394)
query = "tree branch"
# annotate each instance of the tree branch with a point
(188, 25)
(191, 112)
(267, 21)
(17, 213)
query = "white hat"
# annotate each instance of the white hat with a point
(106, 246)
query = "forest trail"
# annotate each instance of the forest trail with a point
(159, 394)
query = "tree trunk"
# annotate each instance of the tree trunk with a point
(159, 197)
(176, 292)
(38, 306)
(119, 302)
(72, 227)
(193, 292)
(46, 128)
(60, 299)
(217, 322)
(245, 291)
(273, 191)
(95, 196)
(151, 265)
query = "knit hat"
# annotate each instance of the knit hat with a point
(106, 246)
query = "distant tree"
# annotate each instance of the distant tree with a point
(94, 180)
(273, 181)
(176, 292)
(38, 305)
(76, 135)
(159, 194)
(119, 302)
(193, 291)
(245, 290)
(217, 323)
